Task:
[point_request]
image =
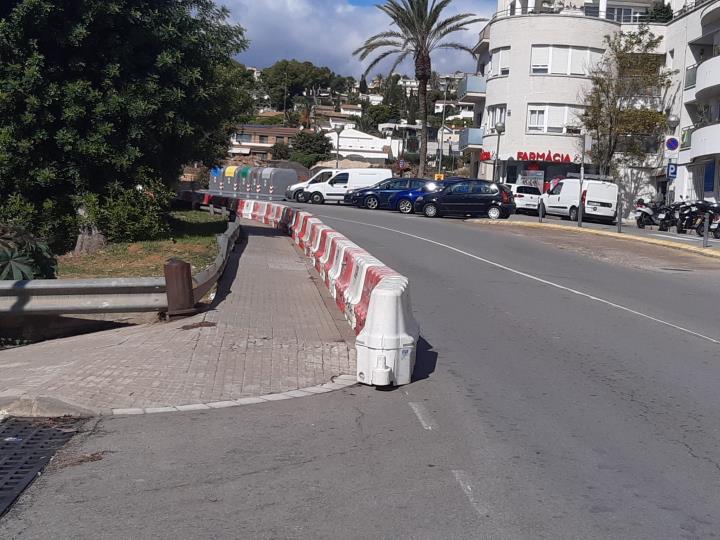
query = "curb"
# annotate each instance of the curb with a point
(338, 383)
(715, 254)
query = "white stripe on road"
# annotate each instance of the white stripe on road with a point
(540, 280)
(423, 415)
(465, 482)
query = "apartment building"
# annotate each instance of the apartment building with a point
(256, 141)
(533, 63)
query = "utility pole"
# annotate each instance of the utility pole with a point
(442, 128)
(285, 114)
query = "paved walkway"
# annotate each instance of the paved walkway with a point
(270, 330)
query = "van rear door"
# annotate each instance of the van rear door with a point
(601, 199)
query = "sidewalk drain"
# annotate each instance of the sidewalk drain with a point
(26, 447)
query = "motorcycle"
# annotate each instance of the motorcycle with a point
(648, 214)
(685, 216)
(715, 226)
(706, 208)
(666, 216)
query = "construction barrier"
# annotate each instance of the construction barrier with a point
(374, 298)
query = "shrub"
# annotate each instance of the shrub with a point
(133, 214)
(23, 256)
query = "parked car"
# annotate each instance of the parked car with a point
(405, 200)
(469, 197)
(599, 199)
(337, 186)
(382, 194)
(527, 198)
(296, 192)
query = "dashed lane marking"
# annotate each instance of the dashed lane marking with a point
(540, 280)
(423, 415)
(463, 478)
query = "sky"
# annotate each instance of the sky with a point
(325, 32)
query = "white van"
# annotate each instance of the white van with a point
(342, 182)
(599, 199)
(295, 191)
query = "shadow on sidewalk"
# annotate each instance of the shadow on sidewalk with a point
(425, 360)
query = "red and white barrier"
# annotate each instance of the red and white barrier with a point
(374, 298)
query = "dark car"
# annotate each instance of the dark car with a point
(382, 194)
(469, 197)
(404, 201)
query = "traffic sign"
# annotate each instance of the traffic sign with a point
(672, 144)
(671, 173)
(401, 163)
(439, 177)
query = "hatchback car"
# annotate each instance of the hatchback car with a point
(382, 194)
(470, 197)
(527, 198)
(405, 200)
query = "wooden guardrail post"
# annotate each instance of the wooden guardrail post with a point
(179, 288)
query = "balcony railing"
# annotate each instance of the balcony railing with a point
(471, 138)
(588, 10)
(471, 85)
(690, 76)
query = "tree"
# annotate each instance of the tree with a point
(624, 108)
(287, 79)
(98, 92)
(363, 85)
(412, 109)
(310, 147)
(280, 151)
(418, 32)
(660, 12)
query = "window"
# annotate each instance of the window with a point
(243, 137)
(417, 184)
(495, 114)
(398, 184)
(279, 140)
(500, 62)
(461, 187)
(484, 188)
(557, 189)
(561, 60)
(263, 139)
(341, 178)
(554, 119)
(622, 14)
(528, 190)
(540, 59)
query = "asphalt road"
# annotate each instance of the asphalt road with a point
(567, 390)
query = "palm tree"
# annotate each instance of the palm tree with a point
(417, 31)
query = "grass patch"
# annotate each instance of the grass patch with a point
(192, 239)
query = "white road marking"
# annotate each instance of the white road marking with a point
(423, 415)
(465, 482)
(540, 280)
(697, 240)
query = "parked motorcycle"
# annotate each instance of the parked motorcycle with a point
(666, 216)
(648, 214)
(706, 208)
(715, 226)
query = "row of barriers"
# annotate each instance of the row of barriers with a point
(374, 298)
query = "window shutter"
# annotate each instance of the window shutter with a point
(556, 118)
(540, 56)
(560, 56)
(579, 61)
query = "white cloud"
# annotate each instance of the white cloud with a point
(326, 32)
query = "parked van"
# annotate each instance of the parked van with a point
(344, 181)
(599, 199)
(295, 191)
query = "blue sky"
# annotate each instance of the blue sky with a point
(326, 32)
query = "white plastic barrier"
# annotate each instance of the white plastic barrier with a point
(387, 345)
(373, 297)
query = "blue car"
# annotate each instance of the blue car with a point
(383, 194)
(404, 201)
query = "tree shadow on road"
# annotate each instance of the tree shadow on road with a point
(425, 360)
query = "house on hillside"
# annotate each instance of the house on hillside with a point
(355, 144)
(255, 141)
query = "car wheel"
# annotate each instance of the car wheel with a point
(372, 202)
(494, 213)
(317, 198)
(300, 196)
(405, 206)
(430, 210)
(573, 213)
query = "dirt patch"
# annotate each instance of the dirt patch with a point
(63, 461)
(201, 324)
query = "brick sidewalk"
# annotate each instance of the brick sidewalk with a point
(269, 331)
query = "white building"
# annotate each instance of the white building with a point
(351, 110)
(357, 144)
(533, 62)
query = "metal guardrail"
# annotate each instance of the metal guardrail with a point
(108, 295)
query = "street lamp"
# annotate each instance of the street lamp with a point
(338, 130)
(499, 129)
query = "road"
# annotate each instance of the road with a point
(567, 390)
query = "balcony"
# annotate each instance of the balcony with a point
(472, 89)
(701, 140)
(471, 139)
(707, 82)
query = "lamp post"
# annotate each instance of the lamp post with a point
(499, 129)
(338, 130)
(587, 142)
(673, 121)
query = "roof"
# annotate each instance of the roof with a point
(268, 130)
(351, 106)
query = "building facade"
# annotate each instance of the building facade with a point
(532, 74)
(256, 141)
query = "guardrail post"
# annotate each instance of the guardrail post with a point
(619, 214)
(541, 211)
(706, 231)
(179, 288)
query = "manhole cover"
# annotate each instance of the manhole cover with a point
(26, 447)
